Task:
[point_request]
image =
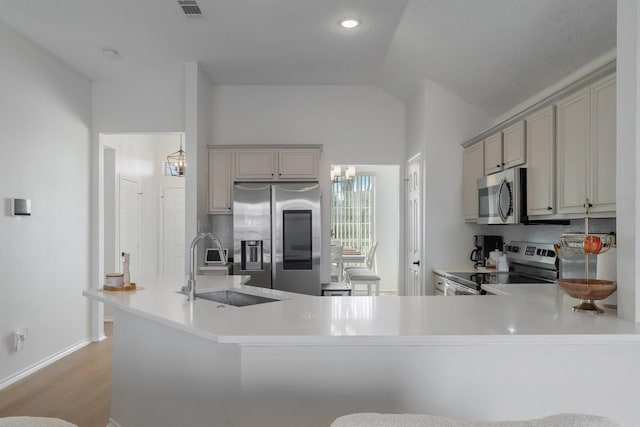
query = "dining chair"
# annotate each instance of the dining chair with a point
(337, 265)
(366, 275)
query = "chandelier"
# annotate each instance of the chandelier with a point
(177, 161)
(336, 173)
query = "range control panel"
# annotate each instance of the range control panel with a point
(531, 253)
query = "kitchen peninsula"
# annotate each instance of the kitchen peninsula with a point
(304, 360)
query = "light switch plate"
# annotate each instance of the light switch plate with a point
(20, 207)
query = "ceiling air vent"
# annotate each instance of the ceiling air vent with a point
(190, 8)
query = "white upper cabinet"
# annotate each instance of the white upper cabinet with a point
(505, 149)
(513, 145)
(540, 162)
(603, 145)
(220, 183)
(493, 154)
(300, 164)
(255, 163)
(472, 170)
(586, 149)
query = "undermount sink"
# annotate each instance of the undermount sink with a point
(237, 299)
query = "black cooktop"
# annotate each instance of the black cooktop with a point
(476, 280)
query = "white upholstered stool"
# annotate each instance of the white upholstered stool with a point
(34, 422)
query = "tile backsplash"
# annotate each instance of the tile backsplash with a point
(546, 233)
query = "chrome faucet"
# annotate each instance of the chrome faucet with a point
(190, 289)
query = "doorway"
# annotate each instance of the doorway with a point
(365, 209)
(135, 180)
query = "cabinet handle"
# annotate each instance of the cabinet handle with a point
(503, 164)
(497, 165)
(549, 208)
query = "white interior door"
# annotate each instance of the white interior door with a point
(413, 283)
(173, 234)
(129, 223)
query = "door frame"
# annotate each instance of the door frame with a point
(161, 232)
(121, 178)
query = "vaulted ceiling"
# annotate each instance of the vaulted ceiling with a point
(492, 53)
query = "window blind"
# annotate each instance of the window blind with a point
(352, 211)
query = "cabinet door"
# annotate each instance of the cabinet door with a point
(513, 143)
(493, 154)
(472, 169)
(299, 164)
(603, 146)
(220, 181)
(572, 142)
(255, 164)
(540, 162)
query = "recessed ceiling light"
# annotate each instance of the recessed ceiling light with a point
(110, 53)
(349, 23)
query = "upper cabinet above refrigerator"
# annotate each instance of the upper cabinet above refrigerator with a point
(277, 164)
(243, 163)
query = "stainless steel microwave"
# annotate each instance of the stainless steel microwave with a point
(501, 197)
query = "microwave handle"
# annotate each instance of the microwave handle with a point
(503, 216)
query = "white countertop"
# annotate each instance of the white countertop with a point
(531, 313)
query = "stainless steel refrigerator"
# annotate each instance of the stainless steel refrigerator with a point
(276, 235)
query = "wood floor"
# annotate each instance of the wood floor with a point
(76, 388)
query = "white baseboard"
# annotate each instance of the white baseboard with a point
(41, 364)
(112, 423)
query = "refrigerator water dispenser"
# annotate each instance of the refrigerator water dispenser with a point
(252, 255)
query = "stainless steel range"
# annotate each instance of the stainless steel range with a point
(528, 263)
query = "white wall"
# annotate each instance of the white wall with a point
(198, 112)
(355, 124)
(45, 117)
(437, 123)
(138, 106)
(627, 162)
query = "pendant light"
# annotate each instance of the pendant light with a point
(177, 161)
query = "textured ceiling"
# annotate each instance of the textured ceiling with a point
(492, 53)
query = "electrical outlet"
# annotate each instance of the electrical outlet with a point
(18, 339)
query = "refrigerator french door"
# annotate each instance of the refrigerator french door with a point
(276, 231)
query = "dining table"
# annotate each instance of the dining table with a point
(352, 257)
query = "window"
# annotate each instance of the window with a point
(171, 169)
(352, 208)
